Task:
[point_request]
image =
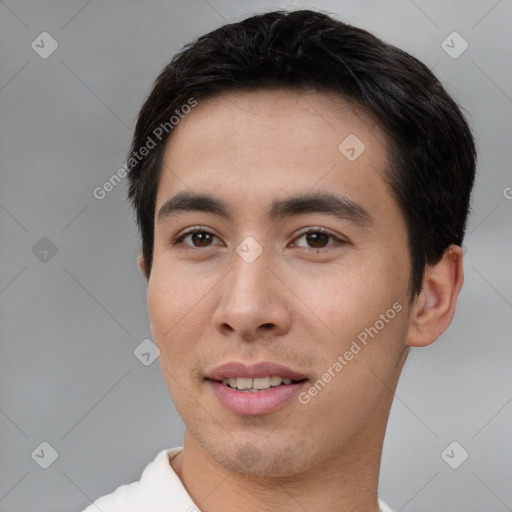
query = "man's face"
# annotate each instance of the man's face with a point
(298, 300)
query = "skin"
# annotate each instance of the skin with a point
(208, 306)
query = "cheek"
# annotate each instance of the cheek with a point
(360, 315)
(343, 300)
(173, 301)
(174, 306)
(358, 359)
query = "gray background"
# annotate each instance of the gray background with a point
(70, 322)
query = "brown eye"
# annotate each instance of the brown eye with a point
(317, 240)
(201, 238)
(195, 238)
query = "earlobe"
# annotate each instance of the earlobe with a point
(141, 265)
(434, 307)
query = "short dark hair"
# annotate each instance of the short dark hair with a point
(432, 155)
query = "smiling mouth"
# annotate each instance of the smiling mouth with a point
(257, 384)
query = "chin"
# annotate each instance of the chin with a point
(261, 458)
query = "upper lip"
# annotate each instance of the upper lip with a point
(262, 369)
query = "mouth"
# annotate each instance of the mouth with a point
(255, 389)
(258, 384)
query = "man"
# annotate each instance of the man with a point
(302, 190)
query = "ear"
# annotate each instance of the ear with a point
(141, 265)
(434, 307)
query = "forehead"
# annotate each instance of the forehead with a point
(249, 145)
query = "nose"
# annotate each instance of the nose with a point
(254, 303)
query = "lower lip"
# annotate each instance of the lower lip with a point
(252, 403)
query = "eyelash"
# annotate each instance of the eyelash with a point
(199, 229)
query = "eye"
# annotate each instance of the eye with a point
(198, 236)
(317, 238)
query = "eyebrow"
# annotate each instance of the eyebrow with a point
(338, 206)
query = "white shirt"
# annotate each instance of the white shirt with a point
(158, 490)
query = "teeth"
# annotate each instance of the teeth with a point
(261, 383)
(244, 383)
(275, 381)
